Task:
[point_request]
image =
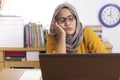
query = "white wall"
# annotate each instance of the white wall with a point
(31, 10)
(42, 11)
(88, 13)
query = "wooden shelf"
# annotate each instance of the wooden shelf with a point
(23, 49)
(22, 64)
(19, 64)
(1, 66)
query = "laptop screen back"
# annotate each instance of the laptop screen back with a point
(80, 67)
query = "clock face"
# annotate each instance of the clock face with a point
(110, 15)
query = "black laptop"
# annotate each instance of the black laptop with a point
(80, 66)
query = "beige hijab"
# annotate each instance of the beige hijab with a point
(73, 41)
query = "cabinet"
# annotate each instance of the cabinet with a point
(1, 60)
(18, 64)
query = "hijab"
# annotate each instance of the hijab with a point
(72, 41)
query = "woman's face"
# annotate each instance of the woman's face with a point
(67, 21)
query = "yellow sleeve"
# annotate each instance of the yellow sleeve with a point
(51, 45)
(93, 43)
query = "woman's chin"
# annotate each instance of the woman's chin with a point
(69, 33)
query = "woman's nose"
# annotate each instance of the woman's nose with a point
(67, 22)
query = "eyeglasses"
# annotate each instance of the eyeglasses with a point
(69, 18)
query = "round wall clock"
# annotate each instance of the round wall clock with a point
(109, 15)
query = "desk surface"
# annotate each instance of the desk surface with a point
(20, 74)
(107, 44)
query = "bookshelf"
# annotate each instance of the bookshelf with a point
(30, 64)
(19, 64)
(28, 37)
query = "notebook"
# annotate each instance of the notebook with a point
(80, 66)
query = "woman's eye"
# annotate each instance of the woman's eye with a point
(61, 20)
(70, 18)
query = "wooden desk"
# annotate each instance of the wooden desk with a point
(20, 74)
(108, 46)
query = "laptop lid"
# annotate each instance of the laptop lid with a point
(80, 66)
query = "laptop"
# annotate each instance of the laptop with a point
(80, 66)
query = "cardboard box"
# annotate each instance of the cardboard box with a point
(11, 31)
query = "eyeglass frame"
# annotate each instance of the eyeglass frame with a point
(64, 19)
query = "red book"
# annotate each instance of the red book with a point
(15, 53)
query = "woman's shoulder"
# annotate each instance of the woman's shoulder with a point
(50, 37)
(89, 34)
(88, 31)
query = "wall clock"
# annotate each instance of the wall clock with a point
(109, 15)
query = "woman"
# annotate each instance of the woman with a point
(68, 36)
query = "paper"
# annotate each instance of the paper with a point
(31, 75)
(32, 56)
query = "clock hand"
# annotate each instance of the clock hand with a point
(110, 12)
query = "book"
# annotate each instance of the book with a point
(15, 53)
(35, 35)
(15, 58)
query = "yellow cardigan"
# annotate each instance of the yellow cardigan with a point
(91, 44)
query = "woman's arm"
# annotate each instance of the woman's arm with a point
(60, 45)
(62, 38)
(94, 44)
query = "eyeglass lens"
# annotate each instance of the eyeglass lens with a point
(69, 18)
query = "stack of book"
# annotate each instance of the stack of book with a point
(34, 35)
(15, 55)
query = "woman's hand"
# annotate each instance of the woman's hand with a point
(61, 32)
(62, 38)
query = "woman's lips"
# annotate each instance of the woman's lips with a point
(68, 29)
